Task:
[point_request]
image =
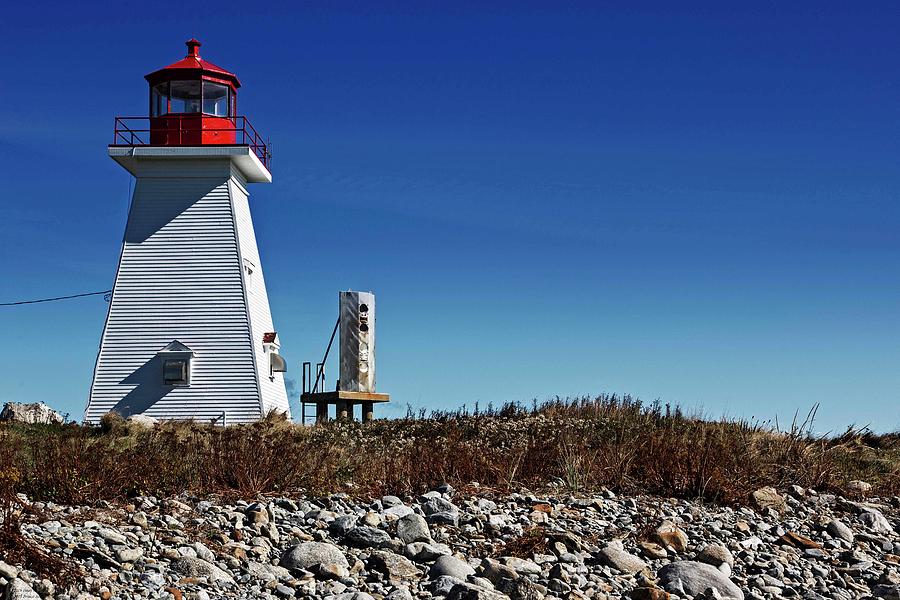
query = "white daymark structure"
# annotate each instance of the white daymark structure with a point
(189, 333)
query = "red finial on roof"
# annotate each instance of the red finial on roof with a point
(193, 45)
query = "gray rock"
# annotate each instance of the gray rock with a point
(691, 578)
(284, 591)
(438, 504)
(621, 560)
(495, 571)
(520, 589)
(839, 529)
(439, 507)
(367, 537)
(19, 590)
(442, 585)
(341, 525)
(887, 591)
(400, 594)
(204, 552)
(308, 554)
(452, 566)
(395, 512)
(522, 566)
(35, 413)
(152, 579)
(112, 536)
(389, 501)
(413, 528)
(394, 566)
(874, 519)
(267, 571)
(197, 567)
(715, 555)
(426, 552)
(468, 591)
(129, 555)
(8, 571)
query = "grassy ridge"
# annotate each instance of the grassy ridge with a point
(575, 444)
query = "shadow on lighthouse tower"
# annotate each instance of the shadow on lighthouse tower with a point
(189, 333)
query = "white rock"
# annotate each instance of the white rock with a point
(35, 413)
(692, 578)
(19, 590)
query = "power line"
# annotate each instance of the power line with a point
(54, 299)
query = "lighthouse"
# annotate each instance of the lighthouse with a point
(189, 332)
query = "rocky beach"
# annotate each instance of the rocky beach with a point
(468, 544)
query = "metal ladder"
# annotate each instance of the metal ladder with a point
(311, 386)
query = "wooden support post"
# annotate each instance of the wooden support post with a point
(368, 411)
(321, 412)
(344, 410)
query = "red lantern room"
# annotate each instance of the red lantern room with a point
(192, 102)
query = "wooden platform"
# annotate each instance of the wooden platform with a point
(342, 396)
(344, 401)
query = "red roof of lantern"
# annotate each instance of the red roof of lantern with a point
(192, 66)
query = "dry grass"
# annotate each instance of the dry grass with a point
(577, 445)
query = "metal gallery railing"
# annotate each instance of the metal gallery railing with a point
(191, 130)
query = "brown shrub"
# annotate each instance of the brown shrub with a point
(575, 445)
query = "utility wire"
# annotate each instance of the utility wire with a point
(54, 299)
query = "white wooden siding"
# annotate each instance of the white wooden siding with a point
(274, 395)
(180, 278)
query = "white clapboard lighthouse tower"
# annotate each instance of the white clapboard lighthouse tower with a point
(189, 333)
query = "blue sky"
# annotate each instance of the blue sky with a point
(697, 205)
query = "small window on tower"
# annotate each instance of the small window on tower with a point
(176, 371)
(248, 274)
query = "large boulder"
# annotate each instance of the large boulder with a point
(35, 413)
(689, 578)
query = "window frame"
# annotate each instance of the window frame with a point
(230, 104)
(186, 370)
(228, 93)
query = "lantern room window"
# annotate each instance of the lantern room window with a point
(215, 99)
(159, 99)
(191, 97)
(184, 97)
